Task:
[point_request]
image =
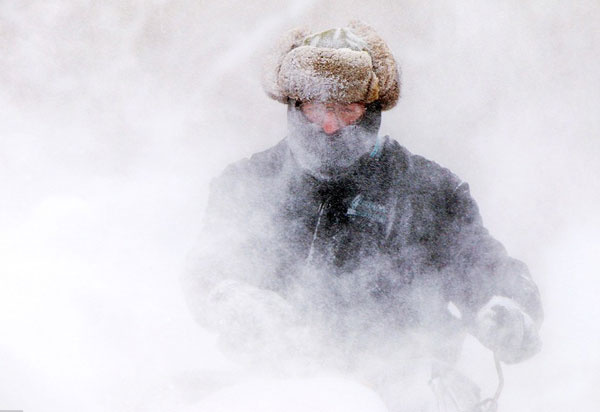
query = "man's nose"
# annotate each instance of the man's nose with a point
(330, 123)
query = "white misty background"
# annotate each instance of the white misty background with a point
(115, 115)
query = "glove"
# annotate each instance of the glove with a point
(504, 328)
(248, 319)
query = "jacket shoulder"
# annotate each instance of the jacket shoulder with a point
(420, 173)
(265, 164)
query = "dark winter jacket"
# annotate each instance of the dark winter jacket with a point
(393, 242)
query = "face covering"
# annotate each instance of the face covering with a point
(328, 157)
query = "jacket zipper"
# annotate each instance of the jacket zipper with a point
(316, 231)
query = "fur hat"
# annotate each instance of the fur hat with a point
(346, 65)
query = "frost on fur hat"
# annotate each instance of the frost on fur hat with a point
(346, 65)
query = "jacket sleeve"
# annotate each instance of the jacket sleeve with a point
(228, 246)
(476, 265)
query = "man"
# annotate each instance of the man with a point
(378, 253)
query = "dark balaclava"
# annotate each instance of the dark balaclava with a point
(331, 156)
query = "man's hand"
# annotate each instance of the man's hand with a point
(247, 318)
(503, 327)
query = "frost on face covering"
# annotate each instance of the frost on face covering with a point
(327, 156)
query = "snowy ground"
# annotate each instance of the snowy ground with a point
(115, 115)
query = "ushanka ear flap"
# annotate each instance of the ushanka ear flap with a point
(273, 60)
(384, 64)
